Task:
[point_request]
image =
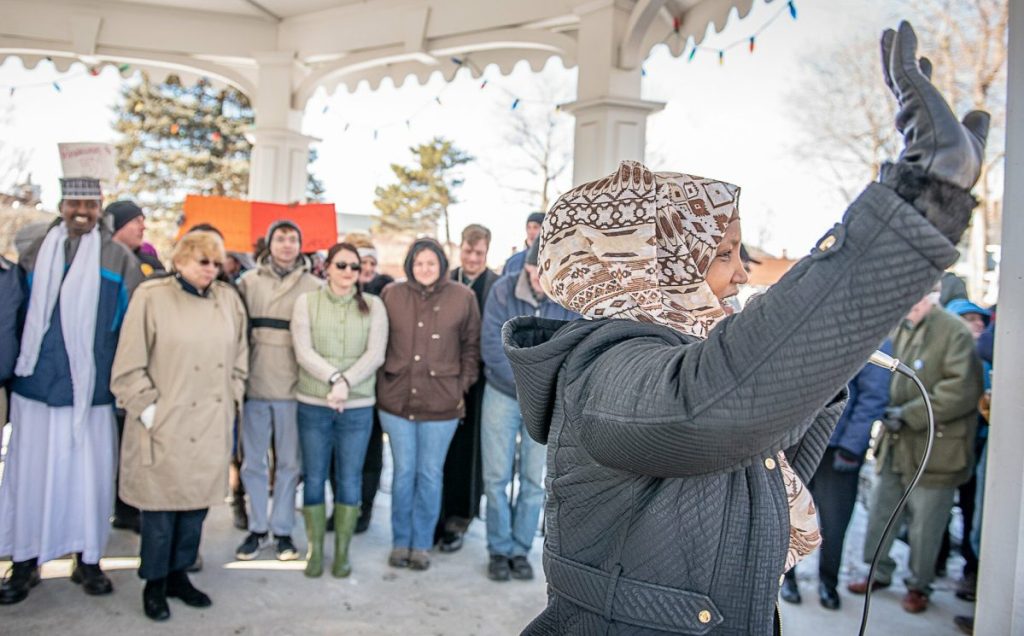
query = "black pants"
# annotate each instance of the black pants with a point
(122, 511)
(372, 465)
(170, 541)
(463, 474)
(835, 494)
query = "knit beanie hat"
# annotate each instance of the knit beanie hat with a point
(535, 217)
(283, 223)
(121, 212)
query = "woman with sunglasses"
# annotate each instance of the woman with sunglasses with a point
(179, 373)
(339, 337)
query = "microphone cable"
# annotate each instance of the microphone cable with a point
(895, 366)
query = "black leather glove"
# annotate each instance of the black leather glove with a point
(845, 462)
(933, 139)
(893, 419)
(942, 157)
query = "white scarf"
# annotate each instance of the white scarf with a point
(79, 293)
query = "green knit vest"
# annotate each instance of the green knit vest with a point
(339, 332)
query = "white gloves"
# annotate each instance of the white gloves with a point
(148, 415)
(337, 395)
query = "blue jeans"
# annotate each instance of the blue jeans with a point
(510, 527)
(418, 450)
(323, 431)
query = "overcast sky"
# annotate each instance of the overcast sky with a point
(727, 121)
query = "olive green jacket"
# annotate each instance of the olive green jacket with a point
(942, 353)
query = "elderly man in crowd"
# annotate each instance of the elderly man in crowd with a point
(941, 351)
(58, 483)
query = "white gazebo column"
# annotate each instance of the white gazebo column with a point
(1001, 585)
(280, 155)
(611, 119)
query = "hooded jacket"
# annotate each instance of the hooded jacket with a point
(433, 353)
(269, 300)
(666, 509)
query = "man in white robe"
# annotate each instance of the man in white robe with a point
(58, 482)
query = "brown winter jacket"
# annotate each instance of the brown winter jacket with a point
(433, 353)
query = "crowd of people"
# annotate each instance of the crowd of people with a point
(302, 363)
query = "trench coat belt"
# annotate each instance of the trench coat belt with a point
(624, 600)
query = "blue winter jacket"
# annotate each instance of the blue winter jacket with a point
(504, 304)
(869, 395)
(514, 264)
(11, 293)
(50, 383)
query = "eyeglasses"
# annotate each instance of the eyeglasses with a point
(205, 262)
(352, 266)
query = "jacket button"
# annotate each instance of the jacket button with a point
(827, 243)
(193, 405)
(432, 374)
(192, 439)
(197, 367)
(769, 463)
(416, 357)
(414, 391)
(412, 418)
(704, 616)
(419, 324)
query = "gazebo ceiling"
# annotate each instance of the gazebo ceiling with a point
(337, 42)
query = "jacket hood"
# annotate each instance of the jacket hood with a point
(419, 246)
(536, 349)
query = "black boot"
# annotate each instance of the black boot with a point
(240, 517)
(363, 524)
(23, 576)
(154, 600)
(790, 592)
(92, 579)
(178, 586)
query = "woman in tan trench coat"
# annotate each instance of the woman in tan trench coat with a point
(179, 373)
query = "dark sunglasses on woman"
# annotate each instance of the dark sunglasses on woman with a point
(205, 262)
(355, 267)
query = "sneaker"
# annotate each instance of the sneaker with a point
(251, 547)
(399, 558)
(497, 568)
(285, 549)
(521, 568)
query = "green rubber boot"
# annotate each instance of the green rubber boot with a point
(316, 524)
(345, 518)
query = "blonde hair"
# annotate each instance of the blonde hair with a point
(358, 239)
(198, 244)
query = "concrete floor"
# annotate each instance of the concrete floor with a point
(454, 597)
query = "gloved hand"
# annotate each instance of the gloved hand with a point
(337, 395)
(845, 462)
(893, 419)
(935, 141)
(148, 416)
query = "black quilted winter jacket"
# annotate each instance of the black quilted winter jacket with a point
(666, 510)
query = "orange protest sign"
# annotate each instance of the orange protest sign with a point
(243, 222)
(317, 221)
(232, 217)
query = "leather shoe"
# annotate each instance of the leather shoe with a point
(178, 586)
(914, 602)
(790, 592)
(450, 542)
(861, 586)
(964, 623)
(498, 568)
(92, 579)
(828, 596)
(154, 600)
(23, 576)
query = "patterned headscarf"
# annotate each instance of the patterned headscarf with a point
(637, 245)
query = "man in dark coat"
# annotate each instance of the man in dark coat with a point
(835, 483)
(463, 477)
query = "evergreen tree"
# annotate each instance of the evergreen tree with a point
(420, 198)
(179, 140)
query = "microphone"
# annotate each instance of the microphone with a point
(890, 364)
